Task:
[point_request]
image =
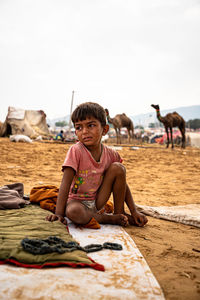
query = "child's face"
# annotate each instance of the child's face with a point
(90, 131)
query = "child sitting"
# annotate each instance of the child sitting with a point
(91, 172)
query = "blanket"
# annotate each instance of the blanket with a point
(12, 196)
(186, 214)
(29, 222)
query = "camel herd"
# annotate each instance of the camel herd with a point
(169, 121)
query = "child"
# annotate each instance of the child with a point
(60, 136)
(91, 172)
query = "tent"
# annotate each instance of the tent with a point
(27, 122)
(193, 139)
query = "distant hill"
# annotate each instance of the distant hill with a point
(188, 113)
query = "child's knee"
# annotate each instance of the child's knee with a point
(117, 168)
(72, 210)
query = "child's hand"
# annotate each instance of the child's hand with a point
(140, 219)
(52, 218)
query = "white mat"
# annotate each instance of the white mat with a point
(127, 275)
(187, 214)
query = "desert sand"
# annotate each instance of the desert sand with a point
(156, 176)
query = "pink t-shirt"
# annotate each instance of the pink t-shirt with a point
(89, 173)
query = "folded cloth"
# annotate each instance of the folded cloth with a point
(45, 196)
(11, 196)
(29, 222)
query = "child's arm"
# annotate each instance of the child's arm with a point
(138, 218)
(68, 176)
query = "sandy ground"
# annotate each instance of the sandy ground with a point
(156, 176)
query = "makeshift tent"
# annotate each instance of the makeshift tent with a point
(193, 139)
(27, 122)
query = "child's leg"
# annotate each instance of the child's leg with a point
(114, 181)
(78, 213)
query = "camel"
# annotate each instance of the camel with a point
(169, 121)
(120, 121)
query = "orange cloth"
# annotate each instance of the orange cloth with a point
(108, 208)
(45, 195)
(93, 224)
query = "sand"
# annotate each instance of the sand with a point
(156, 176)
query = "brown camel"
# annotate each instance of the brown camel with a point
(120, 121)
(169, 121)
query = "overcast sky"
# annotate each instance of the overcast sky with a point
(123, 54)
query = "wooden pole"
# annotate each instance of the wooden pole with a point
(70, 122)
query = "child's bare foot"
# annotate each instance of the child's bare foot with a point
(137, 220)
(118, 219)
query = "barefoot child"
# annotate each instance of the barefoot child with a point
(91, 172)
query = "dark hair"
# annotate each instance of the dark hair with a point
(89, 109)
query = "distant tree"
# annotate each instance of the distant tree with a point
(61, 123)
(152, 125)
(139, 127)
(155, 125)
(193, 124)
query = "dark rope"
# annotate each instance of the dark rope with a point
(55, 244)
(112, 246)
(93, 248)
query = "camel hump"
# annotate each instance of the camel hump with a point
(177, 115)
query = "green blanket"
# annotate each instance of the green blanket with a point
(29, 222)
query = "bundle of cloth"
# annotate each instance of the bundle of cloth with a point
(12, 196)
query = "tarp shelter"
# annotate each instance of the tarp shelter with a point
(27, 122)
(193, 139)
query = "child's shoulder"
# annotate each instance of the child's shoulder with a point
(109, 150)
(77, 146)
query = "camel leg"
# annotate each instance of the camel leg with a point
(119, 136)
(129, 137)
(171, 137)
(182, 130)
(166, 129)
(133, 135)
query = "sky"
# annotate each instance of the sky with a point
(123, 54)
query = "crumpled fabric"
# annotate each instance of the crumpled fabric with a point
(11, 196)
(45, 196)
(92, 224)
